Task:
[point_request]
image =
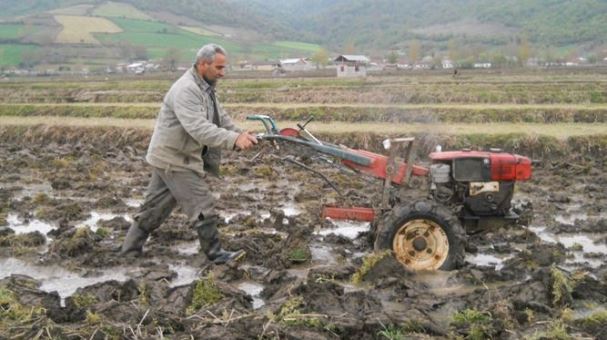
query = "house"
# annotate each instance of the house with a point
(351, 65)
(296, 64)
(482, 65)
(136, 68)
(447, 64)
(533, 62)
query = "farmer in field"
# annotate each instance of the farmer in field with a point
(191, 129)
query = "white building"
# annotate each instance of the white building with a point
(136, 68)
(482, 65)
(447, 64)
(296, 64)
(351, 65)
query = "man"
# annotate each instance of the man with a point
(190, 131)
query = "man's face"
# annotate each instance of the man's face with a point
(212, 71)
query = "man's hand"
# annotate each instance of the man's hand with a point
(245, 141)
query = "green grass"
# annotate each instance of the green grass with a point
(11, 54)
(476, 324)
(298, 46)
(114, 9)
(205, 292)
(559, 131)
(157, 37)
(11, 31)
(136, 25)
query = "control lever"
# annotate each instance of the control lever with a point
(306, 134)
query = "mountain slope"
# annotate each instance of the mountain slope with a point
(386, 23)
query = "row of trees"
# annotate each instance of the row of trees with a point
(516, 53)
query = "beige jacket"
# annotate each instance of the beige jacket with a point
(185, 126)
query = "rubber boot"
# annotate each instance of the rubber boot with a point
(134, 241)
(210, 244)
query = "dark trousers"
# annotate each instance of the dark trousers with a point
(168, 189)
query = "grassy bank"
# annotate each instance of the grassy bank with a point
(561, 140)
(412, 113)
(559, 131)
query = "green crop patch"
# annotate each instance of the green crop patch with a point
(12, 54)
(115, 9)
(296, 45)
(12, 31)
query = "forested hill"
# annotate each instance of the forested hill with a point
(383, 24)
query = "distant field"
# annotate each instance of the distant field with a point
(11, 31)
(297, 46)
(114, 9)
(156, 37)
(199, 30)
(73, 10)
(10, 54)
(136, 25)
(79, 29)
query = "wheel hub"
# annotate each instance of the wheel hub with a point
(421, 244)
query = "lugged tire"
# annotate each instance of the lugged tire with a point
(408, 221)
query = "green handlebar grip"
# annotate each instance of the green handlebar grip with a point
(268, 122)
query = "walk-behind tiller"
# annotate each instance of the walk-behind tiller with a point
(466, 188)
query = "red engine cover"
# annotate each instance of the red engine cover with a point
(504, 166)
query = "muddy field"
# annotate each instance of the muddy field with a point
(66, 203)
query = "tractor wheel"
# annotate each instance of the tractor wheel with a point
(423, 235)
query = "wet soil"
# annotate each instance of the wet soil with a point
(65, 206)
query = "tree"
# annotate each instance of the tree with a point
(349, 48)
(141, 53)
(132, 52)
(523, 51)
(392, 57)
(454, 50)
(415, 50)
(31, 58)
(171, 58)
(320, 58)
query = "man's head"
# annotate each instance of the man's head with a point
(211, 62)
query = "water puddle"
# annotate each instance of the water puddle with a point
(31, 190)
(22, 227)
(96, 216)
(247, 187)
(59, 279)
(291, 209)
(487, 260)
(299, 273)
(254, 289)
(570, 240)
(577, 241)
(133, 202)
(575, 211)
(185, 274)
(322, 254)
(570, 218)
(349, 229)
(228, 216)
(186, 248)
